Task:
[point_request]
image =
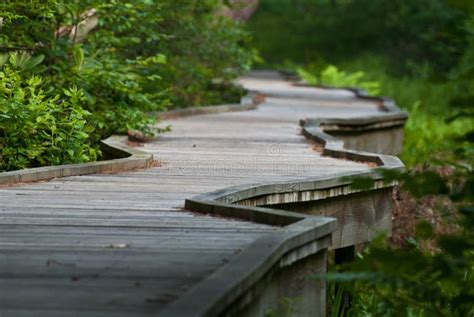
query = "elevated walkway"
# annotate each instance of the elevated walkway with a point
(240, 208)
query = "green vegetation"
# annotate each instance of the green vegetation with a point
(333, 77)
(410, 33)
(102, 66)
(39, 129)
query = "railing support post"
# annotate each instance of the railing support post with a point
(342, 256)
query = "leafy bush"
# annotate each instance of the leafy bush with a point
(127, 58)
(37, 130)
(332, 76)
(196, 51)
(202, 46)
(142, 53)
(116, 93)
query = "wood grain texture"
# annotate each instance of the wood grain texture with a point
(360, 216)
(122, 244)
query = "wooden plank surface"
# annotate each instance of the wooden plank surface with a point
(122, 245)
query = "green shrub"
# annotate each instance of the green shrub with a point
(113, 78)
(119, 73)
(205, 52)
(142, 54)
(193, 52)
(116, 94)
(139, 56)
(332, 76)
(35, 129)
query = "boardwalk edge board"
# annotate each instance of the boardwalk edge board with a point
(220, 291)
(128, 159)
(393, 115)
(125, 157)
(248, 102)
(214, 295)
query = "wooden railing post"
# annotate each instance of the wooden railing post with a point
(342, 256)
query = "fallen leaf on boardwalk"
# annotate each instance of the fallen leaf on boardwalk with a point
(118, 245)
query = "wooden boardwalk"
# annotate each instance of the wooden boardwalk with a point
(122, 244)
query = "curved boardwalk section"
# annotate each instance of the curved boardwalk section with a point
(126, 245)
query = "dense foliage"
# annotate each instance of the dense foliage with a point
(205, 51)
(333, 77)
(411, 33)
(37, 129)
(124, 59)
